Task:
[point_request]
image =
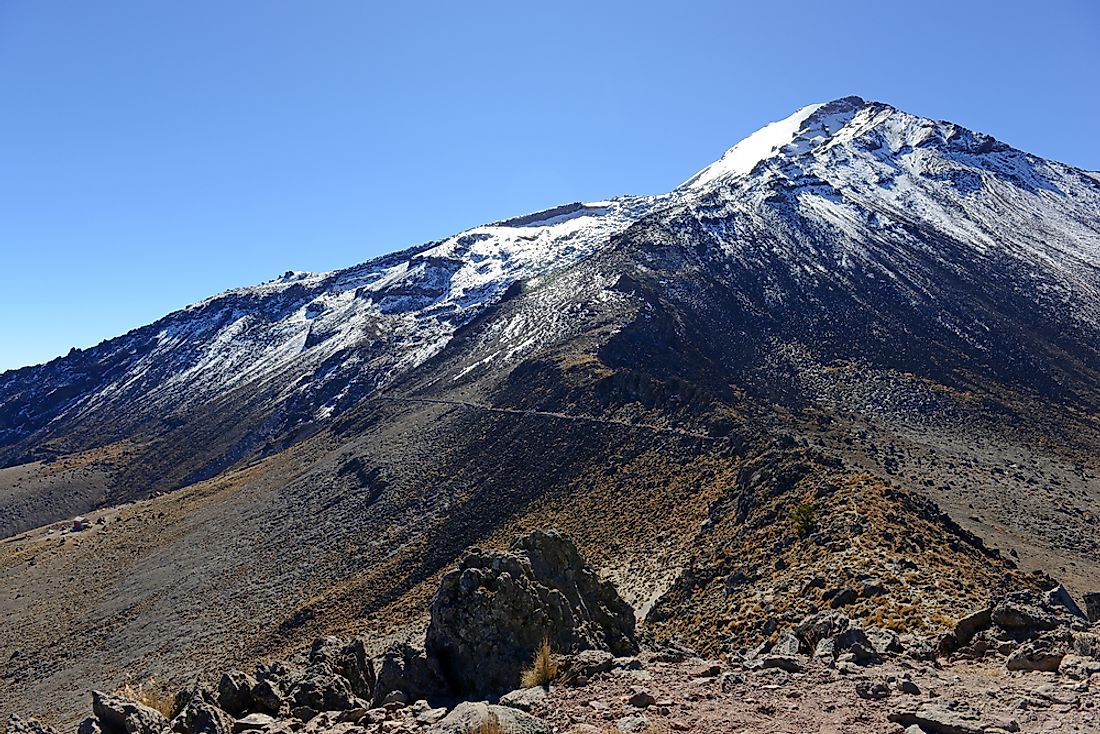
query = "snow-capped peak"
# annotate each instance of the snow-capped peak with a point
(795, 134)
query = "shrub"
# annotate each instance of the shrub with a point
(544, 667)
(804, 519)
(149, 694)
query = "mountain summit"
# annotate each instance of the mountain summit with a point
(883, 327)
(807, 128)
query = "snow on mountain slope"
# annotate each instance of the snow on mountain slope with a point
(317, 342)
(867, 228)
(839, 194)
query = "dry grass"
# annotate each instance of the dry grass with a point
(149, 694)
(544, 668)
(490, 725)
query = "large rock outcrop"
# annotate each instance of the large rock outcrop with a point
(118, 715)
(492, 612)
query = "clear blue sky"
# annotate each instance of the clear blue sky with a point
(153, 153)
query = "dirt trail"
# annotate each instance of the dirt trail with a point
(550, 414)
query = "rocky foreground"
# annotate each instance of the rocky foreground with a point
(1029, 662)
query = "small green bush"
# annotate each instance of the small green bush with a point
(804, 519)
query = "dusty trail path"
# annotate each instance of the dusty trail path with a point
(553, 415)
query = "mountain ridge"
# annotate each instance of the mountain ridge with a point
(896, 327)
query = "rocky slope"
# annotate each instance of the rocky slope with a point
(815, 376)
(1027, 662)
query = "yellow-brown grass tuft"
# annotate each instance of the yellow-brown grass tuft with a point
(490, 725)
(149, 694)
(544, 667)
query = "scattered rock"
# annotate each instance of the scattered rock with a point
(641, 698)
(874, 690)
(632, 723)
(252, 721)
(524, 699)
(937, 718)
(908, 687)
(782, 662)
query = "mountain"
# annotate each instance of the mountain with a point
(884, 325)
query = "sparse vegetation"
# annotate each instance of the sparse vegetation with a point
(490, 725)
(543, 669)
(149, 694)
(804, 519)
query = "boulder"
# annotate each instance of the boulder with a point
(1092, 606)
(1087, 644)
(1027, 614)
(234, 693)
(17, 725)
(409, 670)
(492, 612)
(1078, 667)
(883, 642)
(1040, 654)
(90, 725)
(200, 716)
(788, 644)
(524, 699)
(948, 717)
(118, 715)
(851, 641)
(349, 660)
(579, 669)
(971, 624)
(1059, 597)
(252, 722)
(321, 689)
(470, 717)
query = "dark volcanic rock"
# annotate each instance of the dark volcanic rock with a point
(118, 715)
(1041, 654)
(409, 670)
(491, 614)
(1026, 613)
(321, 690)
(1092, 606)
(235, 692)
(349, 660)
(200, 716)
(17, 725)
(471, 717)
(940, 718)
